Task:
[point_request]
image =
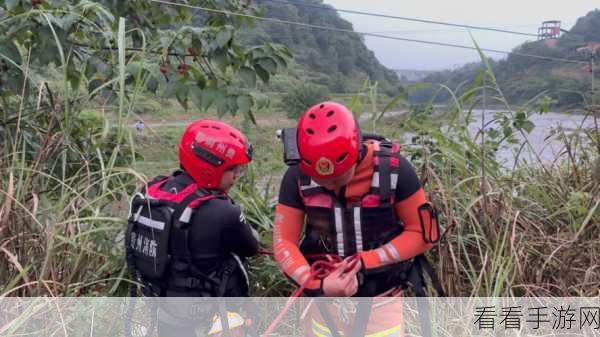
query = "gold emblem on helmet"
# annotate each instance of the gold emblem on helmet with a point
(324, 166)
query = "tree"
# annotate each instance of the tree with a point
(69, 169)
(175, 54)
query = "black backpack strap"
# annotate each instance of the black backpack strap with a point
(182, 256)
(384, 169)
(361, 318)
(373, 136)
(333, 328)
(435, 281)
(181, 226)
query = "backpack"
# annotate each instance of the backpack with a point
(157, 237)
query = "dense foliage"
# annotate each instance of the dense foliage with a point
(66, 172)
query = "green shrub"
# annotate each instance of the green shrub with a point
(298, 99)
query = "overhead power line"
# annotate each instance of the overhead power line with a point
(342, 30)
(387, 16)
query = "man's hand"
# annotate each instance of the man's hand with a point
(342, 282)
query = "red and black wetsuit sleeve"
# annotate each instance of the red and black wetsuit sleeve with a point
(409, 197)
(287, 231)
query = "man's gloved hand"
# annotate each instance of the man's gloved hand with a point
(343, 281)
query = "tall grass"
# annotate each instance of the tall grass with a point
(528, 229)
(64, 179)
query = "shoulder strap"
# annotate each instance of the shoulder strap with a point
(182, 214)
(386, 167)
(383, 169)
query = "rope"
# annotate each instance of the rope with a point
(318, 271)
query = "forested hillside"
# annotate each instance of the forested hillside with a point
(521, 78)
(337, 60)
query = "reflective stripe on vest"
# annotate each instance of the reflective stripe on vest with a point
(339, 230)
(358, 230)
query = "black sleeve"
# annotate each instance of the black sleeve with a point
(408, 182)
(237, 235)
(289, 194)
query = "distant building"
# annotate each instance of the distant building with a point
(549, 32)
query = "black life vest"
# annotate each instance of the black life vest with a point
(157, 248)
(344, 230)
(334, 228)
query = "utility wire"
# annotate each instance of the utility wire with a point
(334, 29)
(387, 16)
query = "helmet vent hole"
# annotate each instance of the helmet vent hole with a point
(322, 106)
(330, 113)
(205, 126)
(216, 127)
(312, 116)
(310, 131)
(342, 157)
(332, 128)
(233, 135)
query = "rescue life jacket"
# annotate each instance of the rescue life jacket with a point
(371, 222)
(157, 249)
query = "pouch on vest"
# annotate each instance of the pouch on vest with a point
(430, 226)
(147, 236)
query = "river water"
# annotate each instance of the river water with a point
(543, 146)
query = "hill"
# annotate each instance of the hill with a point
(337, 60)
(521, 78)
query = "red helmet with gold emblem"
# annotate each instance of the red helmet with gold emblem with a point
(328, 140)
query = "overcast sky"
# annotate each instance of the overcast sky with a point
(519, 15)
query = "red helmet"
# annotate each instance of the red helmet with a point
(328, 140)
(210, 147)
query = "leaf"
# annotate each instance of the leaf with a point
(9, 51)
(391, 104)
(198, 76)
(281, 62)
(11, 4)
(248, 76)
(528, 126)
(244, 103)
(223, 37)
(208, 97)
(93, 85)
(134, 68)
(182, 98)
(268, 64)
(196, 96)
(152, 85)
(73, 76)
(493, 133)
(169, 89)
(262, 73)
(221, 102)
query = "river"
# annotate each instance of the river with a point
(543, 146)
